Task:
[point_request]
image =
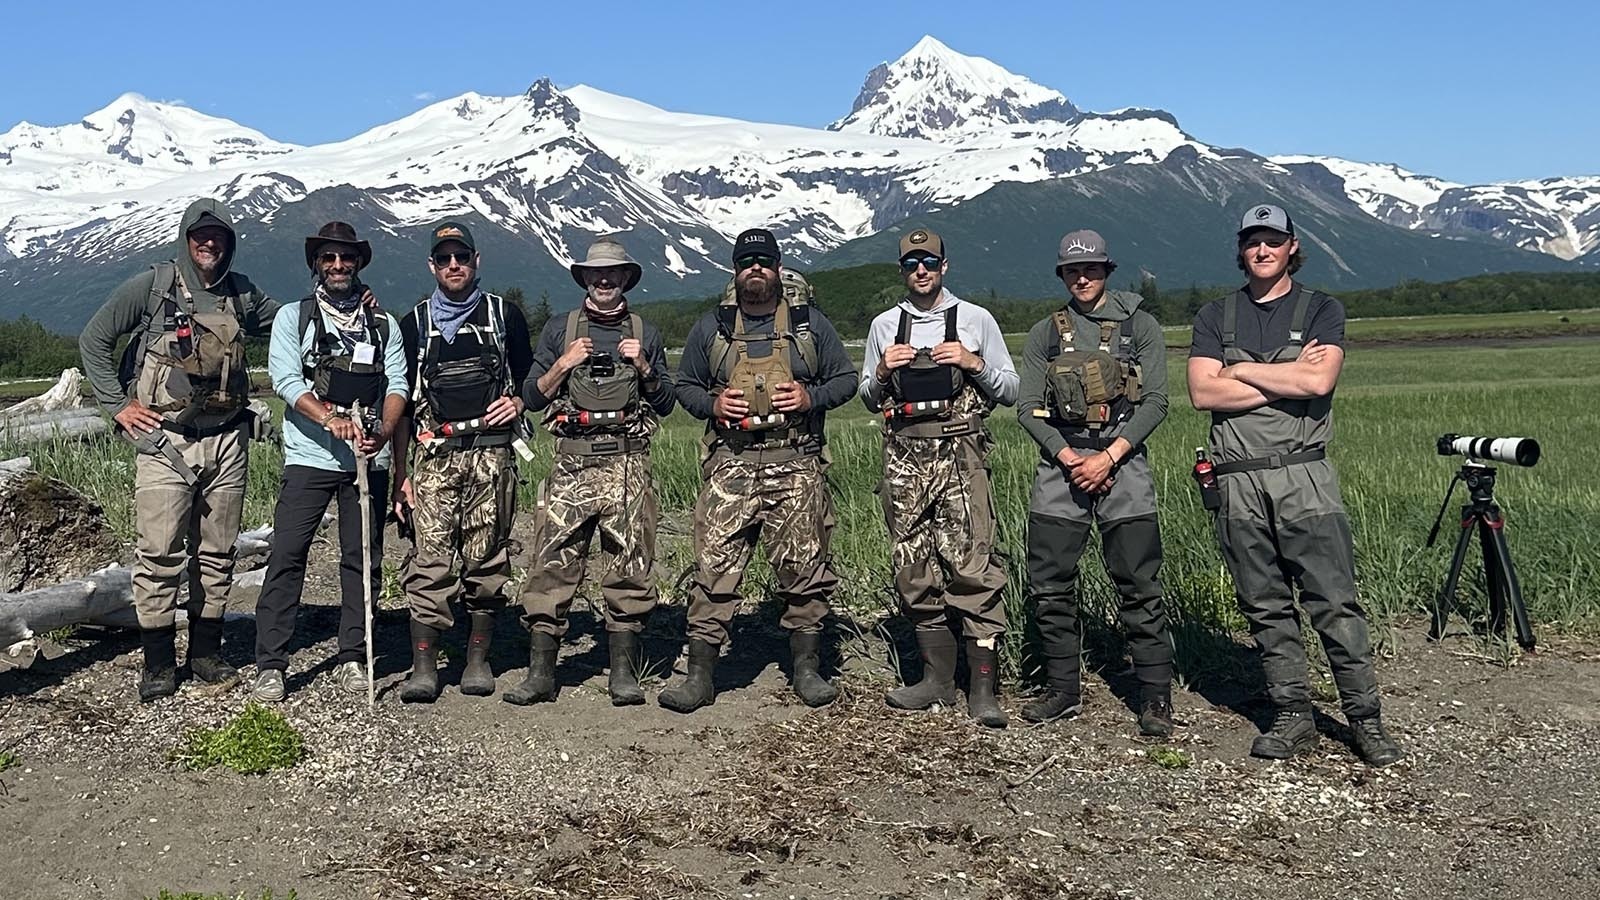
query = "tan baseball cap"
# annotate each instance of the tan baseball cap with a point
(921, 240)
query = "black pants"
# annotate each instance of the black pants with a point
(301, 502)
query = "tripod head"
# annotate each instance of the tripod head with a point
(1479, 479)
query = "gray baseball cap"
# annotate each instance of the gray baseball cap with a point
(1083, 246)
(1266, 215)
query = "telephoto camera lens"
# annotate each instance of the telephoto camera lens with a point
(1514, 450)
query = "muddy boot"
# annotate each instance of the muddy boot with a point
(982, 665)
(697, 688)
(205, 652)
(1373, 743)
(938, 684)
(1063, 696)
(623, 681)
(478, 679)
(1155, 712)
(805, 652)
(540, 685)
(159, 678)
(1294, 730)
(422, 686)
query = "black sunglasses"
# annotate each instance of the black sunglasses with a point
(332, 256)
(910, 263)
(757, 259)
(1273, 242)
(463, 257)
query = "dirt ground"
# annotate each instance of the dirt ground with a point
(759, 797)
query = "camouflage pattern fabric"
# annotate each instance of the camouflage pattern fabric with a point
(745, 498)
(585, 496)
(465, 500)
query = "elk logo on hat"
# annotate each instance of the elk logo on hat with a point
(1078, 245)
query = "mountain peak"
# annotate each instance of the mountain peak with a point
(934, 92)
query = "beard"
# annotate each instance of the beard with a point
(758, 294)
(336, 283)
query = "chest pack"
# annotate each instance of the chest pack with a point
(1090, 388)
(335, 373)
(462, 389)
(791, 340)
(194, 372)
(922, 387)
(604, 390)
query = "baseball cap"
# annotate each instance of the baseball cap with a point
(1082, 246)
(451, 231)
(1266, 215)
(921, 239)
(755, 242)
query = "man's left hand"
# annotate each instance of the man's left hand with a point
(631, 350)
(503, 410)
(954, 353)
(1093, 475)
(791, 397)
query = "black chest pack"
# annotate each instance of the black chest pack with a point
(337, 374)
(462, 389)
(1090, 388)
(604, 390)
(922, 387)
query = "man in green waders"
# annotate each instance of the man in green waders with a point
(1265, 361)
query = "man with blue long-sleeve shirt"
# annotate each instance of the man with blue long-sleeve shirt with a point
(329, 355)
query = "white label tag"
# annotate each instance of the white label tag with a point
(365, 353)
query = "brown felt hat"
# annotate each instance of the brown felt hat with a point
(336, 233)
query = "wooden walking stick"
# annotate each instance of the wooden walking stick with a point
(365, 493)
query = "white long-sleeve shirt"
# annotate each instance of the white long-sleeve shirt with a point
(976, 328)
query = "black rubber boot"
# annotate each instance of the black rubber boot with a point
(1063, 696)
(623, 681)
(938, 684)
(540, 685)
(205, 652)
(1373, 742)
(1155, 712)
(422, 686)
(697, 689)
(159, 677)
(982, 663)
(805, 653)
(1294, 730)
(478, 679)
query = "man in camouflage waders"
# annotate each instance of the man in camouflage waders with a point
(1094, 388)
(761, 369)
(935, 367)
(1265, 361)
(600, 376)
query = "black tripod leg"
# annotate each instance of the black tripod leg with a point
(1447, 594)
(1494, 579)
(1495, 546)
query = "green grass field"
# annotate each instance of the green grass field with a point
(1391, 405)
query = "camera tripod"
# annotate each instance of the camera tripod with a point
(1505, 593)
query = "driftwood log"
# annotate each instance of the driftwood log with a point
(57, 413)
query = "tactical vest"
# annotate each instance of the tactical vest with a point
(335, 375)
(924, 395)
(458, 392)
(194, 373)
(1286, 430)
(792, 357)
(603, 400)
(1092, 389)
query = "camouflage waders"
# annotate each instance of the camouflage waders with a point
(188, 527)
(465, 499)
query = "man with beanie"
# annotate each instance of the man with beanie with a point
(329, 355)
(762, 369)
(1264, 362)
(935, 367)
(467, 353)
(1094, 388)
(600, 376)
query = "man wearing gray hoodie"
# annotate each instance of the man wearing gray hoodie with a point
(935, 367)
(1094, 387)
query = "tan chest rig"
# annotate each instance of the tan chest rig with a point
(603, 394)
(926, 398)
(194, 374)
(759, 376)
(1090, 388)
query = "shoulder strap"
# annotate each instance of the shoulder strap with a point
(425, 352)
(902, 331)
(1063, 320)
(308, 318)
(1230, 321)
(1107, 329)
(161, 286)
(950, 333)
(577, 326)
(1297, 322)
(635, 326)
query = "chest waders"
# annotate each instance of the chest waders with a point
(928, 399)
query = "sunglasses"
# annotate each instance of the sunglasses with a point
(333, 256)
(460, 257)
(910, 263)
(1273, 242)
(765, 262)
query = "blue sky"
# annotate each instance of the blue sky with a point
(1470, 91)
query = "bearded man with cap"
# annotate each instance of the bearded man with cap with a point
(181, 394)
(762, 369)
(936, 492)
(600, 377)
(1094, 388)
(1264, 362)
(454, 477)
(329, 353)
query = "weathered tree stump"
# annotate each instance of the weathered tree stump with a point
(48, 531)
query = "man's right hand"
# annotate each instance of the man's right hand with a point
(1068, 458)
(403, 499)
(730, 405)
(137, 419)
(895, 356)
(576, 354)
(343, 429)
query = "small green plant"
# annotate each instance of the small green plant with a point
(257, 740)
(1169, 758)
(9, 760)
(194, 895)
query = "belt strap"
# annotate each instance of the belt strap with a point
(178, 462)
(1092, 442)
(601, 446)
(195, 433)
(480, 439)
(935, 428)
(1275, 461)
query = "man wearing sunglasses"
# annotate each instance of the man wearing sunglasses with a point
(180, 393)
(467, 352)
(761, 369)
(1094, 388)
(1264, 361)
(329, 355)
(935, 367)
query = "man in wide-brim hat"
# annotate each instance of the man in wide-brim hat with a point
(333, 236)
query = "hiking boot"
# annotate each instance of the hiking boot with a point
(623, 681)
(1294, 730)
(697, 688)
(269, 686)
(205, 653)
(1373, 743)
(938, 684)
(159, 677)
(422, 685)
(540, 684)
(477, 679)
(1063, 696)
(805, 651)
(351, 676)
(1155, 713)
(981, 704)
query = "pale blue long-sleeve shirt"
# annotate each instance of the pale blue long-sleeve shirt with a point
(305, 442)
(976, 328)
